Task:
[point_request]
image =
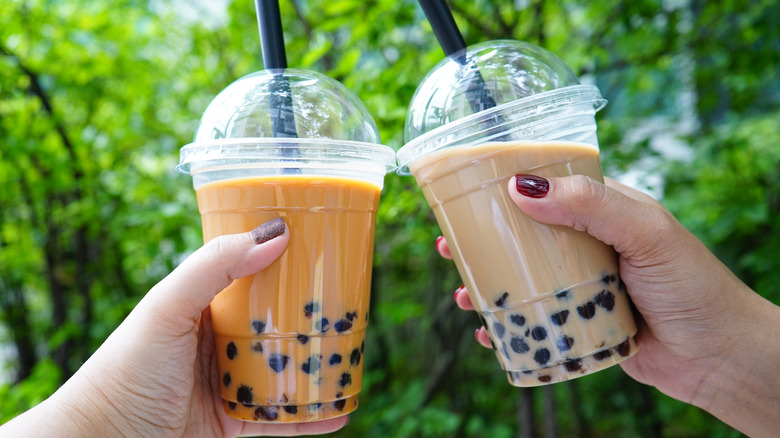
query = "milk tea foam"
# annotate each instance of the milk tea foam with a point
(549, 296)
(290, 339)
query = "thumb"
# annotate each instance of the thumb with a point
(190, 287)
(618, 216)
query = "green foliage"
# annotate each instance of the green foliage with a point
(96, 98)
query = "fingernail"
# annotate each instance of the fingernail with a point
(269, 230)
(531, 185)
(458, 290)
(438, 241)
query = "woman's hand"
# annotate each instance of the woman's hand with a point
(704, 337)
(156, 375)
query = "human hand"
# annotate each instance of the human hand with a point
(156, 375)
(700, 328)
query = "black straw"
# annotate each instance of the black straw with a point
(452, 42)
(269, 21)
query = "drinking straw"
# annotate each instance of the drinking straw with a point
(272, 41)
(451, 41)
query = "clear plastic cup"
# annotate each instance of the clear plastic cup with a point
(290, 339)
(550, 297)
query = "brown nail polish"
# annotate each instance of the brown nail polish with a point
(531, 186)
(269, 230)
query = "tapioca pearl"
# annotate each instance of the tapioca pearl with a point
(345, 380)
(587, 310)
(257, 347)
(232, 350)
(605, 299)
(244, 395)
(226, 379)
(354, 357)
(573, 365)
(312, 365)
(351, 315)
(565, 343)
(362, 346)
(528, 371)
(608, 278)
(266, 413)
(232, 405)
(292, 410)
(323, 325)
(303, 339)
(624, 349)
(621, 285)
(539, 333)
(518, 320)
(542, 356)
(258, 326)
(562, 295)
(559, 318)
(366, 316)
(519, 345)
(311, 308)
(342, 325)
(601, 355)
(278, 362)
(501, 300)
(335, 359)
(499, 330)
(339, 404)
(545, 378)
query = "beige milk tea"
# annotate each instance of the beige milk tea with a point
(549, 296)
(290, 339)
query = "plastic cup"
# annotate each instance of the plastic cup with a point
(550, 297)
(290, 339)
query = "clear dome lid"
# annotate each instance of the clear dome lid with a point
(485, 75)
(285, 118)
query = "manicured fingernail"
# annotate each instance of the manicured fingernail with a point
(476, 334)
(458, 290)
(438, 241)
(531, 185)
(269, 230)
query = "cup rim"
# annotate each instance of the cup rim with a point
(198, 155)
(535, 105)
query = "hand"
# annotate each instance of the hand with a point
(701, 330)
(156, 375)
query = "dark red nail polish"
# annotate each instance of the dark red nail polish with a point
(531, 185)
(269, 230)
(438, 241)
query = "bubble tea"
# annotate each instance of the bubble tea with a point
(290, 340)
(550, 297)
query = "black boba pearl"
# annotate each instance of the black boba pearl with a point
(542, 356)
(232, 405)
(258, 326)
(499, 329)
(290, 409)
(362, 346)
(500, 301)
(346, 379)
(226, 379)
(560, 317)
(232, 351)
(335, 359)
(310, 308)
(562, 295)
(539, 333)
(342, 325)
(587, 310)
(601, 355)
(545, 379)
(322, 325)
(608, 278)
(518, 320)
(624, 349)
(257, 347)
(303, 339)
(354, 357)
(277, 362)
(565, 343)
(605, 299)
(339, 404)
(519, 345)
(312, 365)
(244, 395)
(352, 316)
(266, 413)
(573, 365)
